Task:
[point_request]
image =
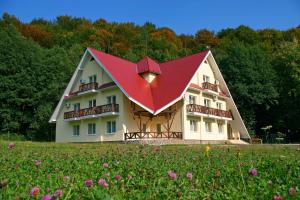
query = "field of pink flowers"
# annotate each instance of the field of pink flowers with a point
(117, 171)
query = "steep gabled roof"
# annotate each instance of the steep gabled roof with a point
(173, 78)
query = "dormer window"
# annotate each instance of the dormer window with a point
(206, 78)
(93, 78)
(148, 69)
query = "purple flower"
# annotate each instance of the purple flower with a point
(102, 182)
(105, 165)
(277, 197)
(88, 183)
(118, 177)
(37, 163)
(11, 145)
(189, 175)
(34, 191)
(253, 172)
(58, 193)
(172, 175)
(47, 197)
(292, 191)
(129, 177)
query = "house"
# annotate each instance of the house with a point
(112, 99)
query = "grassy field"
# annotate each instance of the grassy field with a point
(116, 171)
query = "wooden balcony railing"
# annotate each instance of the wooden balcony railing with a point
(152, 135)
(92, 111)
(88, 86)
(210, 86)
(207, 110)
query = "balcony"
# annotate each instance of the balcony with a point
(210, 86)
(88, 87)
(206, 111)
(98, 111)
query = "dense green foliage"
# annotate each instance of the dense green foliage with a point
(262, 68)
(221, 172)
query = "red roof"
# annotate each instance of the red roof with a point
(148, 65)
(165, 89)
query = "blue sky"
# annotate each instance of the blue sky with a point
(183, 16)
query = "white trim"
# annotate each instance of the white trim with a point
(54, 116)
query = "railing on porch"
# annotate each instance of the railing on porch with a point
(152, 135)
(92, 111)
(88, 86)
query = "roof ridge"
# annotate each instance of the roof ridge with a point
(206, 51)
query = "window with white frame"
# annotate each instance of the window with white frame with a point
(207, 102)
(219, 105)
(93, 78)
(208, 127)
(158, 128)
(221, 127)
(92, 103)
(92, 129)
(76, 107)
(192, 99)
(111, 99)
(193, 125)
(206, 78)
(76, 129)
(111, 127)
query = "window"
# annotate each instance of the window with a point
(144, 128)
(93, 78)
(92, 129)
(111, 99)
(92, 103)
(206, 102)
(111, 127)
(219, 105)
(158, 128)
(206, 78)
(192, 99)
(220, 127)
(76, 130)
(76, 106)
(208, 126)
(193, 125)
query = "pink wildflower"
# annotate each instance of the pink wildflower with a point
(292, 191)
(66, 178)
(129, 177)
(253, 172)
(47, 197)
(58, 193)
(88, 183)
(11, 145)
(105, 165)
(34, 191)
(189, 175)
(37, 163)
(277, 197)
(172, 175)
(118, 177)
(102, 182)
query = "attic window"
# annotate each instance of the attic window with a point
(205, 61)
(92, 59)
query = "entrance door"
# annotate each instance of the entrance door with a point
(229, 132)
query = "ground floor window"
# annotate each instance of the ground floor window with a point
(91, 129)
(111, 127)
(220, 128)
(193, 125)
(76, 129)
(208, 126)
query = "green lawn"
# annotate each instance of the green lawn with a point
(142, 171)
